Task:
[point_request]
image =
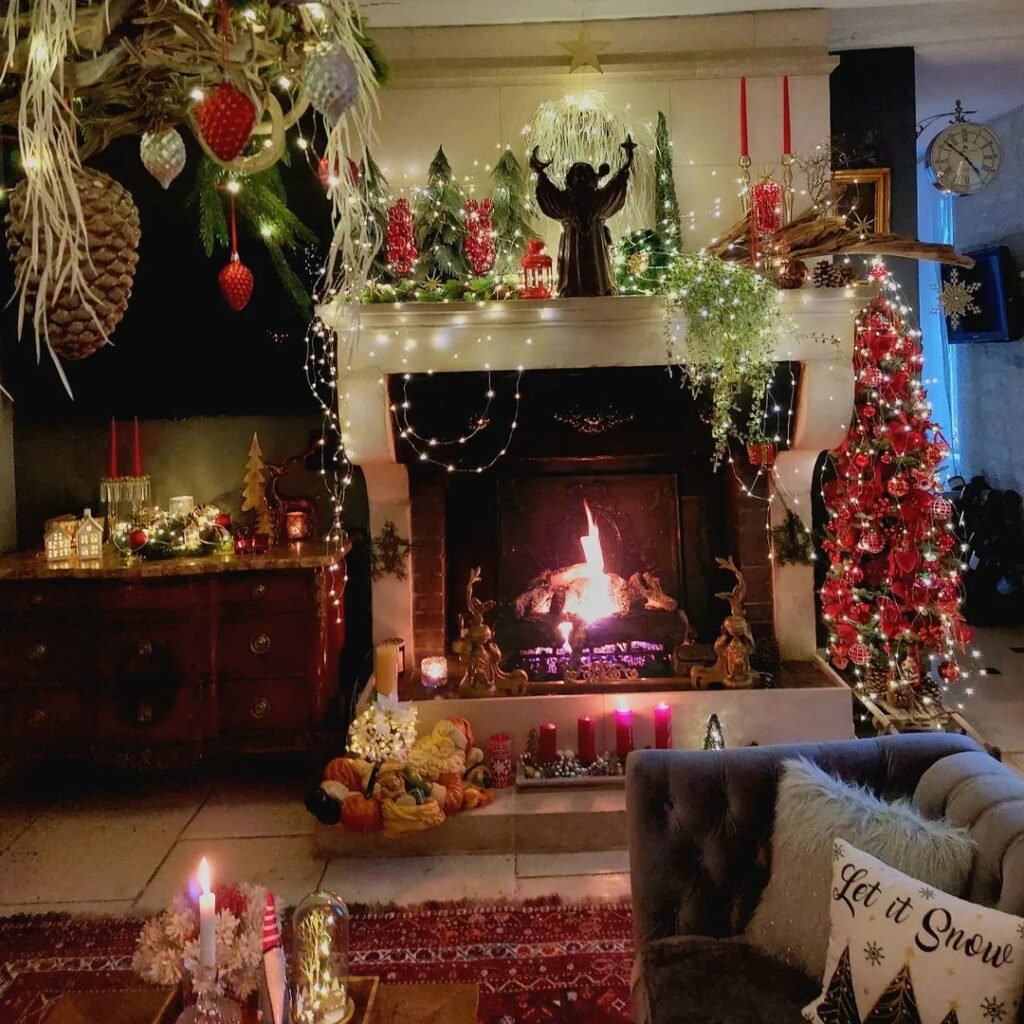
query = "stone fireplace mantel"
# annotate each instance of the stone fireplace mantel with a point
(580, 333)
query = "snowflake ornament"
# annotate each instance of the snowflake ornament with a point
(926, 893)
(957, 299)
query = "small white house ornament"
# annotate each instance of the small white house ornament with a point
(89, 538)
(57, 544)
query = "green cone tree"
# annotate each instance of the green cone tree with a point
(510, 216)
(666, 203)
(378, 198)
(440, 226)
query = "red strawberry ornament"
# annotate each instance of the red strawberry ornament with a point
(225, 118)
(236, 283)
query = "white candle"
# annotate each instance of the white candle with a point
(207, 918)
(385, 668)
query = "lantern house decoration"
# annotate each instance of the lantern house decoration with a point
(57, 543)
(537, 275)
(89, 538)
(434, 671)
(320, 936)
(297, 525)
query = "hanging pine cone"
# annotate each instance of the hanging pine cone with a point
(847, 275)
(793, 274)
(826, 275)
(108, 269)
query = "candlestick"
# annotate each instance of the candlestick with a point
(586, 749)
(623, 732)
(787, 186)
(547, 737)
(744, 143)
(663, 727)
(207, 918)
(113, 448)
(787, 141)
(136, 449)
(385, 668)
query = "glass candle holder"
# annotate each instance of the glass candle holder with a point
(320, 935)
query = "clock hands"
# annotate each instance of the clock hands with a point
(959, 152)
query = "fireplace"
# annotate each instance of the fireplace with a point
(616, 461)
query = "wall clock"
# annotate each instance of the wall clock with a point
(964, 158)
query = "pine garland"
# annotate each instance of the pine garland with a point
(440, 227)
(511, 215)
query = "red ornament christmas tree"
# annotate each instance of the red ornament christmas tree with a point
(893, 593)
(402, 251)
(479, 242)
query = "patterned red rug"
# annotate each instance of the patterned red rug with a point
(535, 962)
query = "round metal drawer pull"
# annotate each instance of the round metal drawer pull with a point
(260, 708)
(145, 648)
(38, 653)
(260, 643)
(37, 716)
(37, 599)
(259, 590)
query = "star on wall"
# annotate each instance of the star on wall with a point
(585, 52)
(957, 299)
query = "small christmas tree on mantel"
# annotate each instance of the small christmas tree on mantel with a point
(254, 498)
(892, 597)
(440, 223)
(510, 216)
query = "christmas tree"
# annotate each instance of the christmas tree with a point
(510, 215)
(891, 600)
(254, 498)
(897, 1004)
(375, 190)
(839, 1003)
(666, 202)
(714, 738)
(440, 228)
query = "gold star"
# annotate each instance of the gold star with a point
(585, 52)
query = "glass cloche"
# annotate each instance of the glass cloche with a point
(320, 928)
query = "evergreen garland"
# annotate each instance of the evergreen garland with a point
(510, 216)
(440, 227)
(791, 541)
(666, 202)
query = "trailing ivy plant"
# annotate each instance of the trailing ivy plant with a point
(722, 322)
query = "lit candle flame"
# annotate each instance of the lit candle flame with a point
(203, 875)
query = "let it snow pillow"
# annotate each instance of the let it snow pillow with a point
(901, 952)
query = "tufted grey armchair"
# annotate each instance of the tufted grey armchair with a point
(700, 827)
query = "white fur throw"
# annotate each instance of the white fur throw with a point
(813, 810)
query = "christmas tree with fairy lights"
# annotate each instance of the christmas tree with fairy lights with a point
(892, 597)
(440, 224)
(510, 215)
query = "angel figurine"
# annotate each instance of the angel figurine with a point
(583, 206)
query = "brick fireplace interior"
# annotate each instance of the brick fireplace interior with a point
(628, 441)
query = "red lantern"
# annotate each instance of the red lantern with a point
(537, 275)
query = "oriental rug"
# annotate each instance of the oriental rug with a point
(536, 962)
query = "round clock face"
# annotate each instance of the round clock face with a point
(965, 158)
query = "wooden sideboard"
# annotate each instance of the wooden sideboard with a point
(156, 663)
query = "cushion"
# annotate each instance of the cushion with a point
(901, 950)
(702, 980)
(812, 810)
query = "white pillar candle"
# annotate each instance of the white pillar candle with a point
(385, 668)
(207, 918)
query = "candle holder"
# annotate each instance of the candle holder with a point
(123, 495)
(209, 1005)
(787, 186)
(745, 181)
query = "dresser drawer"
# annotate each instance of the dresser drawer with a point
(267, 646)
(278, 707)
(40, 595)
(45, 716)
(38, 649)
(259, 591)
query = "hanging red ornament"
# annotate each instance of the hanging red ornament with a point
(328, 180)
(871, 377)
(840, 655)
(225, 117)
(949, 670)
(872, 541)
(479, 241)
(235, 280)
(402, 252)
(138, 539)
(761, 453)
(878, 271)
(897, 486)
(941, 508)
(766, 206)
(860, 653)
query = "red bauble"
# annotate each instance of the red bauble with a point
(225, 118)
(941, 508)
(868, 411)
(840, 656)
(872, 540)
(871, 377)
(236, 283)
(860, 653)
(138, 539)
(897, 486)
(949, 670)
(879, 271)
(328, 180)
(223, 519)
(945, 542)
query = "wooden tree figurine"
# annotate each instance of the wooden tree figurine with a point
(734, 645)
(254, 497)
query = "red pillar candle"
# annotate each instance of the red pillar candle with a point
(623, 732)
(787, 139)
(663, 727)
(586, 749)
(744, 145)
(547, 737)
(136, 449)
(113, 448)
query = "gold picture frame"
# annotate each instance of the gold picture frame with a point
(867, 193)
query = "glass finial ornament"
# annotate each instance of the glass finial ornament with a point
(163, 155)
(537, 275)
(320, 935)
(331, 80)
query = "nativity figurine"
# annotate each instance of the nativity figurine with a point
(583, 206)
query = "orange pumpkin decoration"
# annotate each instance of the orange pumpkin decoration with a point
(454, 791)
(343, 770)
(359, 814)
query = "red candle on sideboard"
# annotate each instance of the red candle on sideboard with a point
(623, 732)
(663, 727)
(136, 449)
(744, 146)
(113, 448)
(547, 738)
(787, 140)
(586, 749)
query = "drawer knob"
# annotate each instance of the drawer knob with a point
(37, 599)
(259, 644)
(38, 653)
(260, 708)
(259, 590)
(144, 649)
(37, 716)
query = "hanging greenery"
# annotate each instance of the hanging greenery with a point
(264, 214)
(584, 127)
(791, 541)
(511, 215)
(722, 322)
(440, 227)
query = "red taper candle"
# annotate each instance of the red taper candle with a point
(586, 749)
(787, 135)
(113, 448)
(136, 449)
(623, 732)
(663, 727)
(547, 736)
(744, 144)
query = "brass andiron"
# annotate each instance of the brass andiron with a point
(481, 655)
(734, 645)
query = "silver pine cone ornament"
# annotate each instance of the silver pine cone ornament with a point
(163, 154)
(112, 224)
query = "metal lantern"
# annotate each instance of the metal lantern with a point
(537, 275)
(320, 927)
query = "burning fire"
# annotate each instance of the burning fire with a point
(594, 600)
